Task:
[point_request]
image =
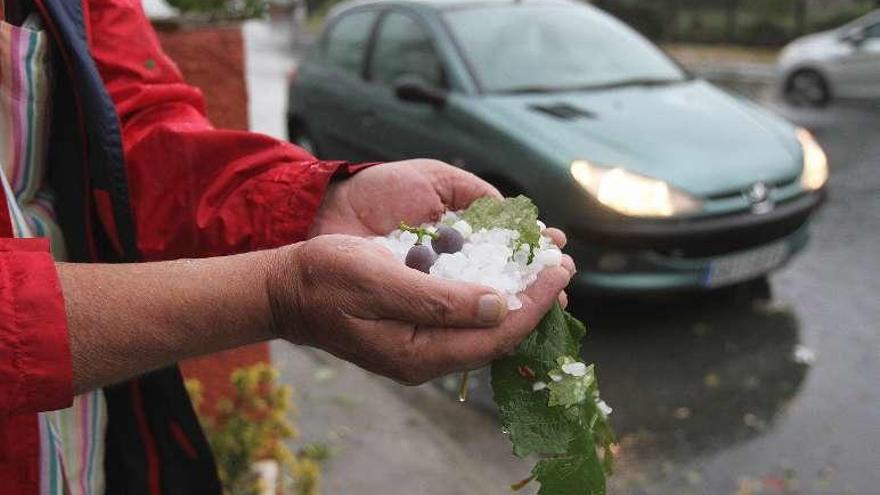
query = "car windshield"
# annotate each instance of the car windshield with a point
(547, 48)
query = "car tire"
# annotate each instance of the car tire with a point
(807, 87)
(298, 134)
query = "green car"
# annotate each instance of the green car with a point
(662, 181)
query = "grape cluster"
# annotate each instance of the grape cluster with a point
(446, 240)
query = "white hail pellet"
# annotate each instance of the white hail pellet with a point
(487, 257)
(575, 369)
(538, 386)
(463, 228)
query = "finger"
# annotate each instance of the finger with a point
(557, 236)
(458, 349)
(563, 299)
(418, 298)
(458, 188)
(568, 263)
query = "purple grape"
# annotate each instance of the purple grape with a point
(448, 240)
(420, 257)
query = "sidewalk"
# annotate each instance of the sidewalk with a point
(389, 439)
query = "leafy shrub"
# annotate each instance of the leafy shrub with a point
(644, 19)
(838, 19)
(221, 9)
(765, 32)
(252, 426)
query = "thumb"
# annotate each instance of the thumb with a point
(419, 298)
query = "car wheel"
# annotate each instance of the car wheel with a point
(299, 134)
(807, 87)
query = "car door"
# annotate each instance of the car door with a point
(404, 50)
(335, 92)
(859, 70)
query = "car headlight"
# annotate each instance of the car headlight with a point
(632, 194)
(815, 173)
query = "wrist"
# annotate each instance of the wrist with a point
(282, 294)
(333, 210)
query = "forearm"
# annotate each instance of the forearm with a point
(124, 320)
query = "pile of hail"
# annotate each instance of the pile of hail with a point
(547, 398)
(453, 249)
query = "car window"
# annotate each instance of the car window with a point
(403, 48)
(524, 46)
(873, 31)
(346, 42)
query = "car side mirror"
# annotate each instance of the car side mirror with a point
(416, 90)
(854, 37)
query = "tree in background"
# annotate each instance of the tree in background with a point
(800, 16)
(731, 8)
(752, 22)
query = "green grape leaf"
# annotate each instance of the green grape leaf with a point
(547, 399)
(518, 214)
(558, 334)
(579, 472)
(533, 426)
(559, 420)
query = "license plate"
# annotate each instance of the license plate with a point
(747, 265)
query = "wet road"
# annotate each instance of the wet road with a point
(720, 395)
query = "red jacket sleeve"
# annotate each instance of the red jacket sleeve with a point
(195, 190)
(35, 363)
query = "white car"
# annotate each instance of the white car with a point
(841, 63)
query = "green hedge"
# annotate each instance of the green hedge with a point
(221, 9)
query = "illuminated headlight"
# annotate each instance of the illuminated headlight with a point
(632, 194)
(815, 173)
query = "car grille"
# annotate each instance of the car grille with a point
(738, 193)
(739, 239)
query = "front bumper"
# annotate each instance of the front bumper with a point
(667, 255)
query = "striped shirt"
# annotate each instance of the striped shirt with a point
(71, 440)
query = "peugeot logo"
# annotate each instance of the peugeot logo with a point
(759, 197)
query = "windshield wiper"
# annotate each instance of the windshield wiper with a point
(531, 89)
(643, 82)
(627, 83)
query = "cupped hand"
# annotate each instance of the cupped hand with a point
(375, 200)
(354, 299)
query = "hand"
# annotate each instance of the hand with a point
(354, 299)
(374, 201)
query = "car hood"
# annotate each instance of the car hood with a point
(813, 46)
(692, 135)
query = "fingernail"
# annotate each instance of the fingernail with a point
(491, 308)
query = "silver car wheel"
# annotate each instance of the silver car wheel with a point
(807, 88)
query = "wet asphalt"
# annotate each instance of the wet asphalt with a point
(724, 393)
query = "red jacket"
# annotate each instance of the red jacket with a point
(185, 190)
